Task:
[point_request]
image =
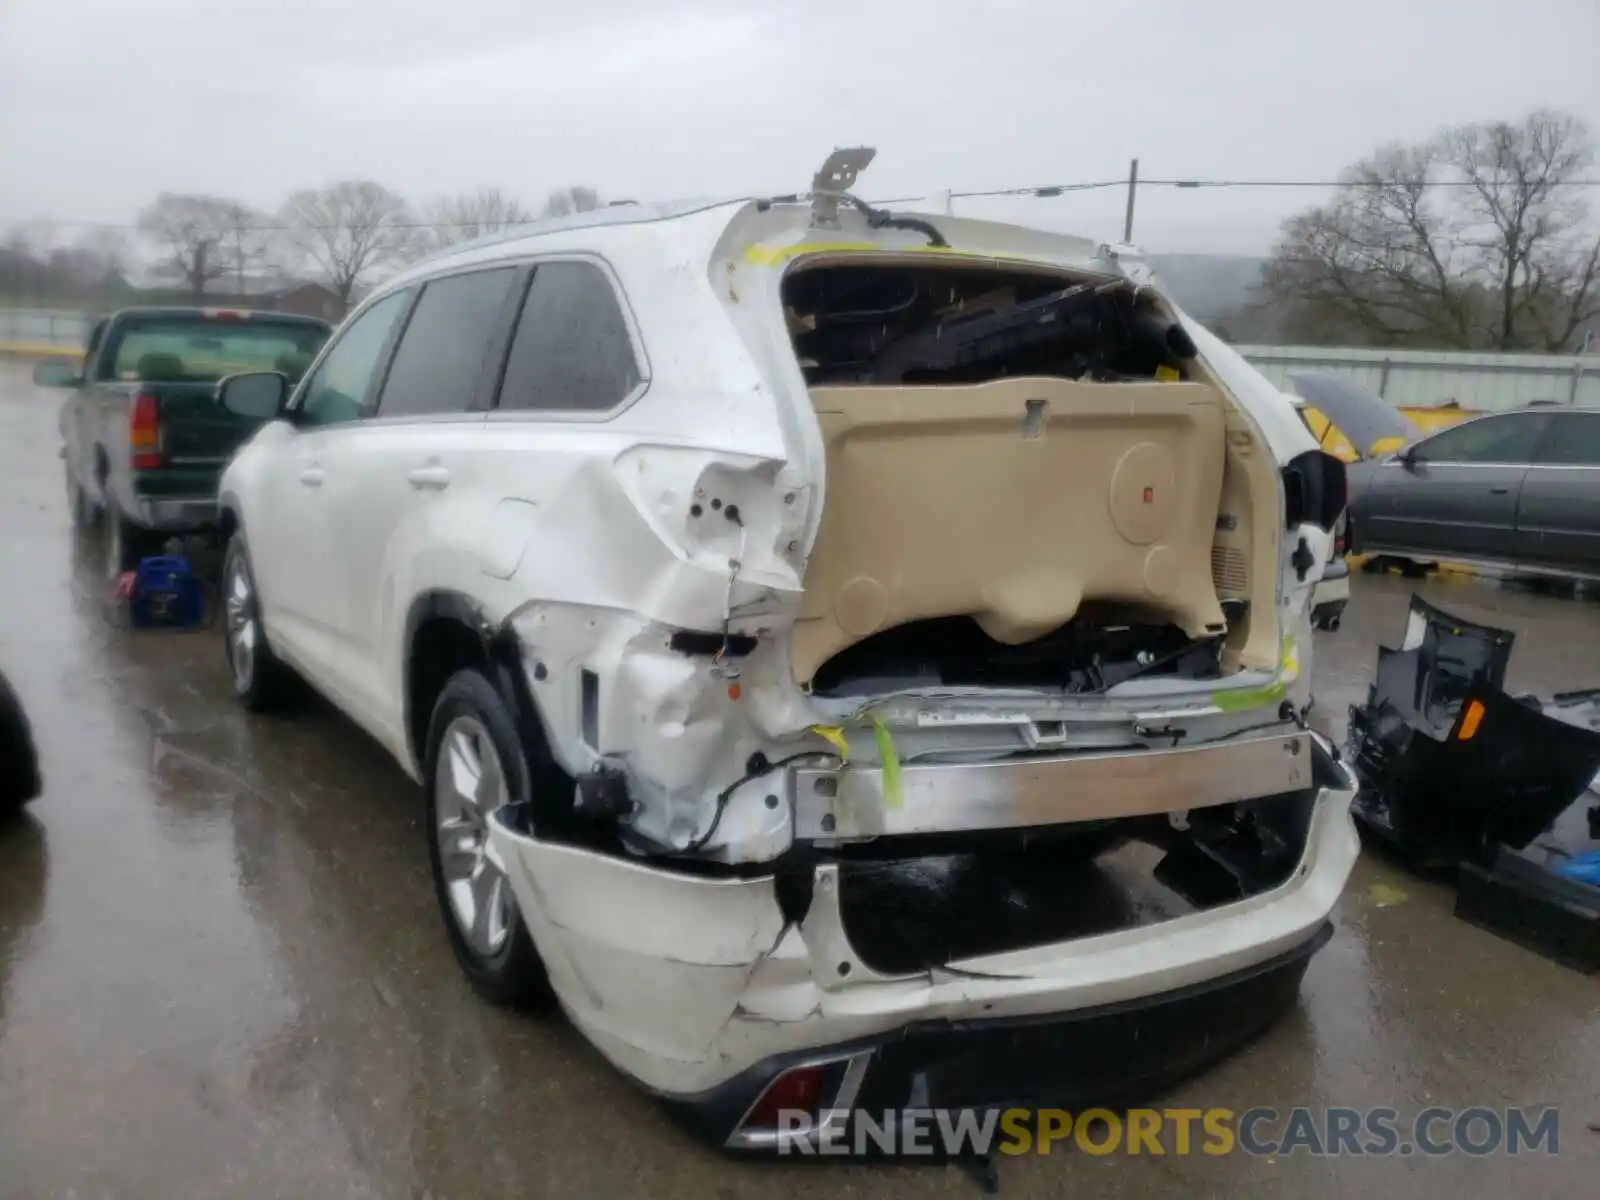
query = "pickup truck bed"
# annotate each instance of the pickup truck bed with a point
(144, 437)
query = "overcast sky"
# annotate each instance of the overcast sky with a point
(105, 102)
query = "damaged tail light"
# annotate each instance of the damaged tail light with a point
(144, 432)
(799, 1090)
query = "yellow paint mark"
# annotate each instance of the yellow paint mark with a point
(834, 735)
(1290, 670)
(1167, 374)
(889, 760)
(1382, 895)
(771, 256)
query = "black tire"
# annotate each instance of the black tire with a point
(261, 681)
(512, 974)
(20, 781)
(84, 511)
(127, 543)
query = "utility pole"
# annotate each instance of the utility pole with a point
(1133, 188)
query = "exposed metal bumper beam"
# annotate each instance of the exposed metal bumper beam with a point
(1013, 793)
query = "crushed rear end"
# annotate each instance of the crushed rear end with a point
(963, 763)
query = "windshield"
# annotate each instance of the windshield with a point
(201, 349)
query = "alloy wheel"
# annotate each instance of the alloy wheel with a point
(243, 627)
(469, 784)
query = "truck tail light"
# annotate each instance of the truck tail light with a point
(144, 432)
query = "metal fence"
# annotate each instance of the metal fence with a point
(1429, 378)
(60, 328)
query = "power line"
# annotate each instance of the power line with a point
(1036, 191)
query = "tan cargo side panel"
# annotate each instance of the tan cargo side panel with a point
(1013, 502)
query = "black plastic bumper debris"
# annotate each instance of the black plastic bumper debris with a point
(1521, 900)
(1451, 766)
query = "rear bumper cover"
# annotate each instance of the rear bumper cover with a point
(1124, 1052)
(698, 986)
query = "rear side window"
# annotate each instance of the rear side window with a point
(199, 349)
(1574, 441)
(1506, 439)
(442, 351)
(571, 351)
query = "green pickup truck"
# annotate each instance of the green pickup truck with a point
(144, 437)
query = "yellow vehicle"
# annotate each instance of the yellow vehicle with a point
(1336, 442)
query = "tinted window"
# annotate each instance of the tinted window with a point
(571, 350)
(1574, 441)
(335, 393)
(1508, 439)
(442, 350)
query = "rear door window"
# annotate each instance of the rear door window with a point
(571, 351)
(442, 352)
(1574, 441)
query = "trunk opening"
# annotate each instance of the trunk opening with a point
(1032, 481)
(911, 912)
(1102, 646)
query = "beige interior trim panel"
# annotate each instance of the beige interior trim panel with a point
(1012, 501)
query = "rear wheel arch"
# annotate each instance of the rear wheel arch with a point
(446, 631)
(228, 521)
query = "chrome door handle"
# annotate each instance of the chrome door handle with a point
(312, 476)
(429, 477)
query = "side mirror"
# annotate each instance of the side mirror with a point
(1408, 456)
(53, 373)
(258, 395)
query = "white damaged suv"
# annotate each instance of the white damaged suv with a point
(854, 660)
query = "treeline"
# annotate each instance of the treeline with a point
(1479, 238)
(343, 235)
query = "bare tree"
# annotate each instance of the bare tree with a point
(565, 201)
(1474, 240)
(350, 229)
(460, 218)
(190, 232)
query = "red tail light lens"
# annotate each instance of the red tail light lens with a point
(799, 1088)
(144, 432)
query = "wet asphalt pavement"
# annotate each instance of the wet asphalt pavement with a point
(222, 972)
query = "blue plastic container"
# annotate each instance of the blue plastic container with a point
(166, 593)
(1585, 868)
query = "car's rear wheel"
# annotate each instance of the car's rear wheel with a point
(260, 679)
(126, 543)
(475, 763)
(85, 512)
